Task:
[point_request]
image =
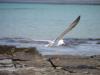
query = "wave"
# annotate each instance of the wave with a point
(72, 46)
(68, 41)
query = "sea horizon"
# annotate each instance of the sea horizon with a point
(52, 3)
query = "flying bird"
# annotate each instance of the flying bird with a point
(59, 40)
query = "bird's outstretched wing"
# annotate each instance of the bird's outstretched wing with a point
(71, 26)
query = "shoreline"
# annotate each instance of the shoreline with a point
(28, 61)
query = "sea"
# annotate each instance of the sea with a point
(34, 25)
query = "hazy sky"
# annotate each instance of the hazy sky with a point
(55, 1)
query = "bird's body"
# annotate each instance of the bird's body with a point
(52, 43)
(60, 42)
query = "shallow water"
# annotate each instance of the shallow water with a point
(71, 47)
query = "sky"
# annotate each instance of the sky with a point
(55, 1)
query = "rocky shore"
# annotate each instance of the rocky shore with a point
(28, 61)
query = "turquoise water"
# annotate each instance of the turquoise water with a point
(45, 21)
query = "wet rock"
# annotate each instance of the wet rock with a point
(18, 53)
(4, 49)
(10, 50)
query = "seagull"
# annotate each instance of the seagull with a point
(59, 40)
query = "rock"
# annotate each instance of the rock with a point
(85, 67)
(28, 61)
(11, 50)
(58, 67)
(98, 43)
(19, 53)
(98, 67)
(5, 72)
(29, 57)
(26, 53)
(23, 57)
(86, 72)
(6, 63)
(4, 49)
